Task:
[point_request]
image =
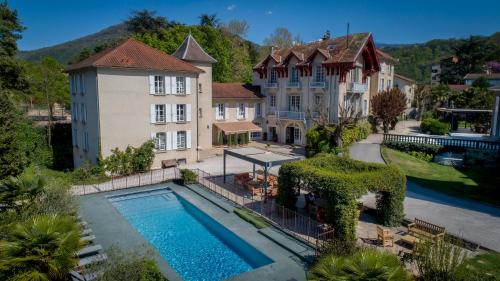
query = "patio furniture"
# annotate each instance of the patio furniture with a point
(254, 188)
(242, 178)
(423, 229)
(92, 260)
(385, 236)
(410, 240)
(89, 250)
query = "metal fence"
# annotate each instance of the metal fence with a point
(445, 141)
(298, 225)
(136, 180)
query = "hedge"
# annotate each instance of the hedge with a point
(321, 139)
(341, 182)
(408, 147)
(356, 133)
(434, 126)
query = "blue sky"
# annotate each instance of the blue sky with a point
(402, 21)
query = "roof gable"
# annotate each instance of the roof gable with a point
(132, 54)
(235, 91)
(190, 50)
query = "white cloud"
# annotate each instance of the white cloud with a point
(231, 7)
(268, 13)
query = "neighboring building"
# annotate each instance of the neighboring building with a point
(493, 78)
(407, 86)
(237, 112)
(442, 66)
(384, 79)
(132, 93)
(318, 79)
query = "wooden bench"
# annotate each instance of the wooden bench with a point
(423, 229)
(169, 163)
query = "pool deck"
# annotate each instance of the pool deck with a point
(112, 229)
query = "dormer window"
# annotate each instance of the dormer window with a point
(320, 74)
(294, 75)
(273, 76)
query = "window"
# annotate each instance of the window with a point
(85, 141)
(294, 75)
(272, 101)
(241, 110)
(382, 67)
(258, 109)
(355, 75)
(75, 137)
(81, 84)
(83, 111)
(320, 74)
(160, 113)
(181, 112)
(181, 139)
(74, 111)
(272, 77)
(317, 100)
(381, 86)
(255, 135)
(180, 85)
(161, 141)
(293, 103)
(159, 85)
(389, 82)
(296, 134)
(72, 84)
(199, 88)
(220, 111)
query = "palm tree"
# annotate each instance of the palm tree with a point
(363, 265)
(42, 248)
(18, 191)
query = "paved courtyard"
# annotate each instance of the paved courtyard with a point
(471, 220)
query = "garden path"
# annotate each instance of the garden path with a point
(471, 220)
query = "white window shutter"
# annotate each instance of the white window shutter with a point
(168, 85)
(188, 138)
(168, 113)
(188, 112)
(153, 136)
(226, 111)
(188, 85)
(217, 111)
(169, 140)
(237, 110)
(246, 110)
(83, 84)
(174, 112)
(174, 140)
(151, 84)
(153, 114)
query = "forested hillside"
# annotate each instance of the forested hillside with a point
(416, 59)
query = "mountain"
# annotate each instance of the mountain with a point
(66, 51)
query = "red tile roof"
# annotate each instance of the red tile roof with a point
(235, 91)
(336, 50)
(387, 57)
(133, 54)
(190, 50)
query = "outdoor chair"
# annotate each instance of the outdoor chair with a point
(385, 236)
(242, 178)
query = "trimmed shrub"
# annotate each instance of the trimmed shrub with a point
(408, 147)
(434, 126)
(421, 155)
(321, 139)
(340, 182)
(132, 160)
(188, 176)
(355, 133)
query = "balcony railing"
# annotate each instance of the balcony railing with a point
(315, 114)
(292, 115)
(318, 85)
(355, 87)
(271, 85)
(293, 85)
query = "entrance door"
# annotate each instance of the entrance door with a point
(272, 134)
(290, 132)
(296, 136)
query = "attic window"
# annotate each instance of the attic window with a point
(331, 46)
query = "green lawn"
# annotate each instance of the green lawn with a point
(488, 263)
(480, 184)
(248, 216)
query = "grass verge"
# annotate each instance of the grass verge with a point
(481, 184)
(488, 263)
(248, 216)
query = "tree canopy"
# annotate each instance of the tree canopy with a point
(387, 106)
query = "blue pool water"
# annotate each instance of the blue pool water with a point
(194, 244)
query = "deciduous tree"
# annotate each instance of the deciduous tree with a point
(280, 38)
(386, 106)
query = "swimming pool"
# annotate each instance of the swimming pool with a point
(194, 244)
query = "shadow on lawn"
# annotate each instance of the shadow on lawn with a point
(451, 194)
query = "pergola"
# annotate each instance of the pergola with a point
(465, 111)
(261, 157)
